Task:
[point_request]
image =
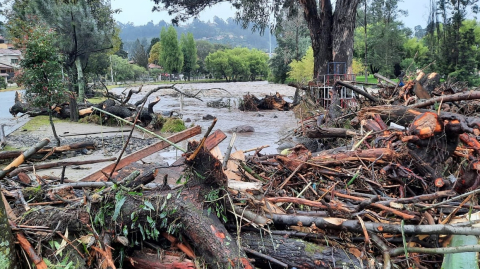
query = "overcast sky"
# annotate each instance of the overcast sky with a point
(140, 12)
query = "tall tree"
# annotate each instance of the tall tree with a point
(140, 56)
(331, 30)
(154, 41)
(84, 27)
(42, 71)
(154, 57)
(189, 50)
(293, 40)
(171, 57)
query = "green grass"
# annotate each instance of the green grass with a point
(9, 89)
(39, 121)
(96, 100)
(371, 79)
(173, 125)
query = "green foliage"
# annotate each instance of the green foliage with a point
(293, 40)
(214, 202)
(140, 56)
(171, 57)
(42, 68)
(3, 83)
(155, 53)
(173, 125)
(238, 64)
(189, 51)
(139, 72)
(122, 70)
(83, 27)
(302, 71)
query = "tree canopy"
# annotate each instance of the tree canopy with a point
(189, 51)
(331, 30)
(171, 58)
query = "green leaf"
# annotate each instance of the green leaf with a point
(118, 206)
(149, 205)
(169, 196)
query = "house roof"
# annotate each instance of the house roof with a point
(2, 65)
(154, 66)
(10, 52)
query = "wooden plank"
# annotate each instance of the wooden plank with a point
(138, 155)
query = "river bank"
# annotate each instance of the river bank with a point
(269, 126)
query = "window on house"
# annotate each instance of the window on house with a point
(14, 61)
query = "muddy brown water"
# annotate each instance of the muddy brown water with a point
(269, 126)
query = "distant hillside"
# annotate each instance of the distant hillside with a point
(218, 31)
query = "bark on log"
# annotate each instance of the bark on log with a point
(405, 115)
(329, 132)
(141, 260)
(58, 164)
(355, 226)
(50, 150)
(357, 90)
(470, 95)
(297, 252)
(383, 154)
(24, 156)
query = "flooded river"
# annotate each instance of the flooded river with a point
(7, 99)
(269, 126)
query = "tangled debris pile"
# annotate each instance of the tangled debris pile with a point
(392, 185)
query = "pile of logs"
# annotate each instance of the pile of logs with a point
(396, 189)
(252, 103)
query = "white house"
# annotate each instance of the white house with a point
(10, 57)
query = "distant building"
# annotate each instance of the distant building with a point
(10, 57)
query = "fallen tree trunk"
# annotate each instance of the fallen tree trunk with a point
(297, 252)
(329, 132)
(405, 115)
(57, 164)
(383, 154)
(23, 156)
(357, 90)
(470, 95)
(184, 208)
(50, 150)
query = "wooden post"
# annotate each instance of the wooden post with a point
(20, 159)
(3, 139)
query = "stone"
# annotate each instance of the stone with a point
(243, 129)
(188, 120)
(208, 117)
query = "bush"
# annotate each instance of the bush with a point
(3, 83)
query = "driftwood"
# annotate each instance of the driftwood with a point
(357, 90)
(50, 150)
(23, 156)
(57, 164)
(252, 103)
(297, 252)
(470, 95)
(329, 132)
